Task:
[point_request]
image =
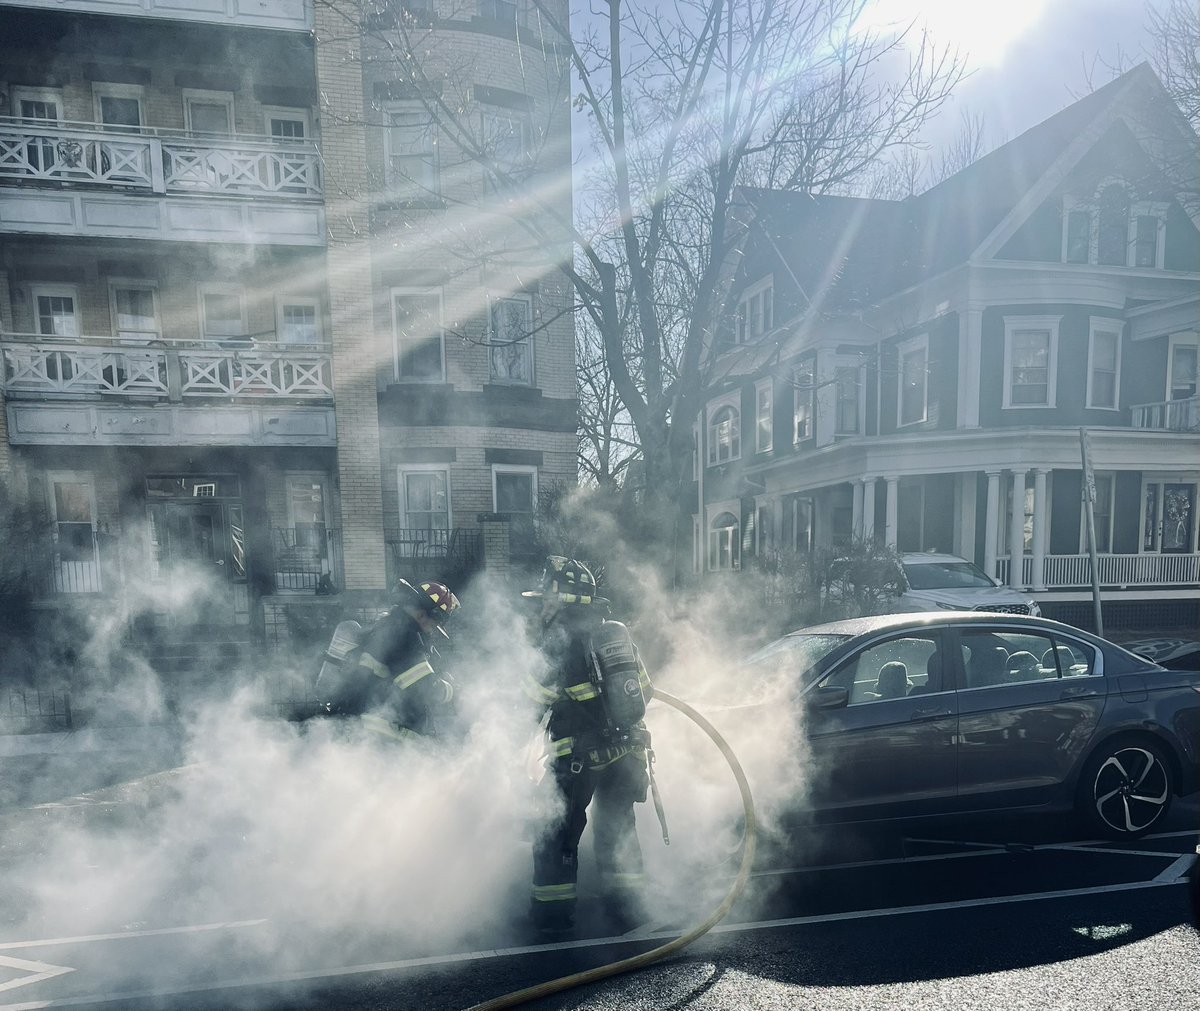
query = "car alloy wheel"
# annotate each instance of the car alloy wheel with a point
(1129, 789)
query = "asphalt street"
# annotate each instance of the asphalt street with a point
(1004, 912)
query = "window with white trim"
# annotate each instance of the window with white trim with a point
(410, 143)
(1112, 215)
(848, 393)
(1104, 363)
(134, 310)
(803, 401)
(1030, 360)
(724, 542)
(73, 513)
(56, 307)
(1112, 229)
(298, 321)
(514, 490)
(756, 310)
(118, 106)
(39, 107)
(424, 497)
(724, 432)
(222, 312)
(418, 339)
(208, 111)
(912, 398)
(1182, 367)
(1102, 513)
(764, 416)
(510, 358)
(764, 532)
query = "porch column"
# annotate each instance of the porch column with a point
(891, 506)
(965, 486)
(991, 522)
(1041, 528)
(1016, 531)
(856, 508)
(868, 508)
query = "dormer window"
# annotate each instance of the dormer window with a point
(756, 310)
(1111, 229)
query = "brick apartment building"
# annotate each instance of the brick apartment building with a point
(264, 317)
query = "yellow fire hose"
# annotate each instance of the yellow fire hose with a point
(519, 997)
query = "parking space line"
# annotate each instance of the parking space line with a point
(1178, 870)
(126, 934)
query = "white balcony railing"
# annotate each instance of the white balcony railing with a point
(86, 153)
(1114, 571)
(1169, 415)
(93, 365)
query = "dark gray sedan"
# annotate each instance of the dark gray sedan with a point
(911, 715)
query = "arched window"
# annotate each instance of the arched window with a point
(724, 435)
(1114, 225)
(724, 543)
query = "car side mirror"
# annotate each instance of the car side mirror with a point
(830, 697)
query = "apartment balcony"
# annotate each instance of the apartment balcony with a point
(1123, 572)
(1169, 416)
(290, 15)
(102, 391)
(87, 179)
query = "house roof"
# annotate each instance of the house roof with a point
(848, 252)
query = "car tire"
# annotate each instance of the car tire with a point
(1126, 788)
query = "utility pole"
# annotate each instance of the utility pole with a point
(1089, 509)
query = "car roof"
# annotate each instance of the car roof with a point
(888, 622)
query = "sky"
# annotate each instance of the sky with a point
(1029, 58)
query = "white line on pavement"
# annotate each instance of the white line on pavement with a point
(48, 942)
(1176, 872)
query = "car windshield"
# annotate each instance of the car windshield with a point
(790, 658)
(943, 575)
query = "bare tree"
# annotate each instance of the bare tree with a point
(685, 101)
(911, 172)
(1175, 53)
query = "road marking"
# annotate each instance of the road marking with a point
(1178, 870)
(123, 935)
(38, 971)
(591, 942)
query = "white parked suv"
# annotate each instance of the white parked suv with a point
(936, 582)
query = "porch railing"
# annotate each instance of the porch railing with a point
(1114, 571)
(169, 369)
(445, 554)
(158, 162)
(1169, 415)
(80, 564)
(306, 559)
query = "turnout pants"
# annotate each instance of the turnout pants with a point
(613, 789)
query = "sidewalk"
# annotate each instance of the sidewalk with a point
(83, 765)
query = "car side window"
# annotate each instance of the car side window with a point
(1002, 656)
(892, 669)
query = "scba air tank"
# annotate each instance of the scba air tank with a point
(619, 669)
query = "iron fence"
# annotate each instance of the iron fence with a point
(306, 559)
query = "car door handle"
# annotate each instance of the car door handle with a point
(928, 714)
(1078, 692)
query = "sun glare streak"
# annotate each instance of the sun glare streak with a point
(984, 31)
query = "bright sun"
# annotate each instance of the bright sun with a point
(982, 29)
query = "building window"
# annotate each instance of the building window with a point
(724, 434)
(418, 337)
(1030, 360)
(1079, 237)
(849, 393)
(764, 534)
(501, 11)
(56, 308)
(515, 490)
(1102, 514)
(756, 310)
(764, 420)
(118, 105)
(1145, 240)
(133, 311)
(797, 531)
(504, 142)
(511, 353)
(298, 321)
(424, 498)
(912, 399)
(38, 107)
(1112, 248)
(412, 166)
(1181, 381)
(208, 111)
(803, 396)
(222, 313)
(73, 513)
(724, 542)
(1104, 364)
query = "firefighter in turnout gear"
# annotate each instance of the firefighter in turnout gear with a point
(595, 689)
(398, 692)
